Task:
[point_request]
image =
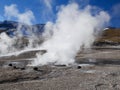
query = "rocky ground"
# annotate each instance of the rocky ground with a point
(95, 69)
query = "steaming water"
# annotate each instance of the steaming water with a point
(74, 29)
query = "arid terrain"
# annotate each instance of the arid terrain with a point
(97, 68)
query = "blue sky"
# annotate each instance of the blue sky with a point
(43, 14)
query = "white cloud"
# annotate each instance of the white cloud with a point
(1, 18)
(46, 10)
(12, 12)
(116, 10)
(48, 3)
(26, 17)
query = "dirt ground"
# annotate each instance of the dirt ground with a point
(95, 69)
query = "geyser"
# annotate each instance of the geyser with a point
(73, 30)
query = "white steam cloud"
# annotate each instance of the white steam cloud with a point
(9, 44)
(73, 30)
(12, 11)
(6, 43)
(24, 18)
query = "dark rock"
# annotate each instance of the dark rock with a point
(10, 64)
(14, 67)
(79, 67)
(23, 68)
(62, 65)
(35, 68)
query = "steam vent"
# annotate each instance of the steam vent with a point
(59, 45)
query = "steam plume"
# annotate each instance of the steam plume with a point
(6, 44)
(9, 44)
(12, 12)
(73, 30)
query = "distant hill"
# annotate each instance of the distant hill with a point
(8, 24)
(110, 36)
(10, 27)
